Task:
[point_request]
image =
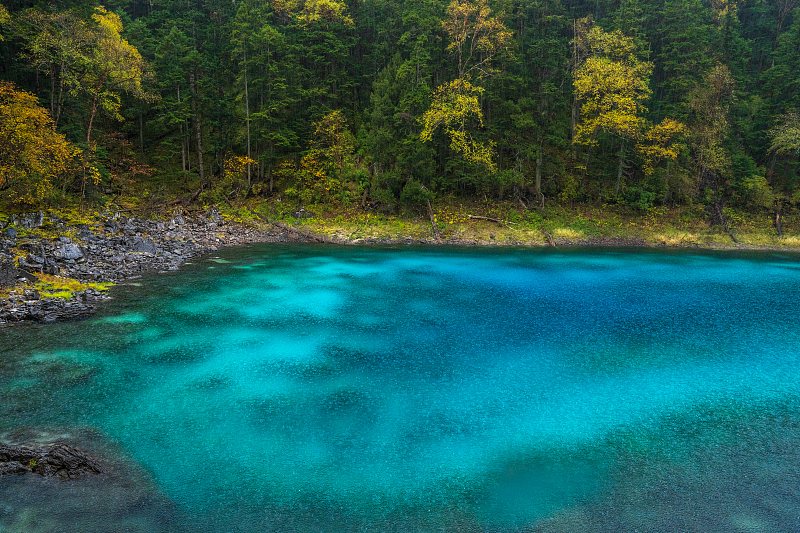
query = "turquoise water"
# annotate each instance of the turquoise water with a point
(338, 389)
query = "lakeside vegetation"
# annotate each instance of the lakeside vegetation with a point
(669, 122)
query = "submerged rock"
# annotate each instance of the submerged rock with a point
(57, 460)
(94, 487)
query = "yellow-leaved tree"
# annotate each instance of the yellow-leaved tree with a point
(613, 84)
(786, 135)
(116, 66)
(33, 157)
(658, 143)
(308, 12)
(476, 38)
(322, 168)
(452, 105)
(4, 18)
(327, 11)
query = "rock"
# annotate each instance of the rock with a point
(29, 246)
(302, 213)
(70, 251)
(11, 467)
(50, 267)
(31, 294)
(55, 219)
(214, 215)
(65, 240)
(139, 244)
(29, 220)
(28, 267)
(57, 460)
(11, 233)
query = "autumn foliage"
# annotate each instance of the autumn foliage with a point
(33, 157)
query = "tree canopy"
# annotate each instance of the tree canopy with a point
(629, 102)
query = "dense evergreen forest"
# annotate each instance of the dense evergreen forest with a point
(393, 103)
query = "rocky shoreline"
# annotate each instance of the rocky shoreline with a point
(113, 248)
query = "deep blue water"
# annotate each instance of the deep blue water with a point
(338, 389)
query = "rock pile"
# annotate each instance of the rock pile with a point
(112, 249)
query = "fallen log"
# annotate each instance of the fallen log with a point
(490, 219)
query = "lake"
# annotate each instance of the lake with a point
(400, 389)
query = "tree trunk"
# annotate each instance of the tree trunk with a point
(141, 132)
(53, 90)
(247, 116)
(271, 155)
(620, 167)
(60, 95)
(433, 223)
(199, 135)
(183, 145)
(538, 176)
(91, 121)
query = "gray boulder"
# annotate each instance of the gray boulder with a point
(142, 245)
(29, 220)
(214, 215)
(50, 267)
(9, 274)
(29, 266)
(30, 294)
(70, 251)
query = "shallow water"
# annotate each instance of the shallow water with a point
(337, 389)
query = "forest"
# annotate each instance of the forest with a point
(396, 103)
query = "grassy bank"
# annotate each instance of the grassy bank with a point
(684, 226)
(578, 224)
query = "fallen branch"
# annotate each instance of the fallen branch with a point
(183, 200)
(490, 219)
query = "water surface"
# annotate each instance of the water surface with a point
(338, 389)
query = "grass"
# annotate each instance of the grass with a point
(57, 287)
(679, 226)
